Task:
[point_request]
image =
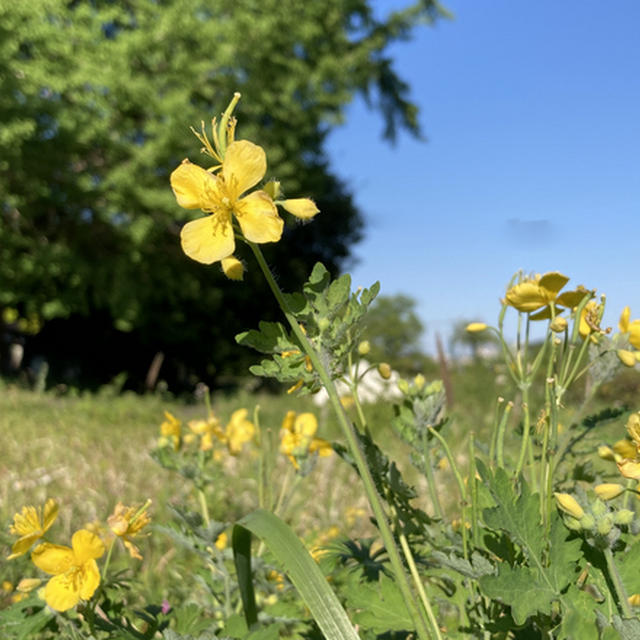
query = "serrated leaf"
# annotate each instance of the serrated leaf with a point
(338, 292)
(478, 567)
(516, 513)
(628, 628)
(381, 606)
(521, 588)
(578, 618)
(270, 337)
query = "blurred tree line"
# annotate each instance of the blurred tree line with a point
(96, 100)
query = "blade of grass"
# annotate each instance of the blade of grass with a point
(299, 566)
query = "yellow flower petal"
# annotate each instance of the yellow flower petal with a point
(634, 333)
(572, 299)
(623, 324)
(306, 425)
(86, 546)
(52, 558)
(553, 282)
(303, 208)
(527, 296)
(208, 239)
(629, 469)
(194, 187)
(322, 447)
(258, 218)
(625, 449)
(243, 167)
(61, 593)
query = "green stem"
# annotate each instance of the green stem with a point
(355, 450)
(473, 484)
(461, 488)
(501, 431)
(204, 509)
(108, 560)
(617, 583)
(406, 548)
(526, 427)
(431, 480)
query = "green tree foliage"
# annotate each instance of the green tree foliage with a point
(394, 331)
(96, 100)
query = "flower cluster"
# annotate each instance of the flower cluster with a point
(206, 434)
(73, 569)
(298, 441)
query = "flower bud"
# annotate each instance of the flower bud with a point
(476, 327)
(606, 453)
(587, 521)
(324, 323)
(633, 427)
(572, 523)
(364, 347)
(419, 381)
(384, 370)
(403, 386)
(634, 600)
(27, 585)
(569, 505)
(302, 208)
(627, 357)
(232, 268)
(624, 517)
(598, 508)
(558, 324)
(608, 490)
(272, 188)
(605, 525)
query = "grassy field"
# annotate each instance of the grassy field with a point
(93, 450)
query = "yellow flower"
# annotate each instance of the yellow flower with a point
(31, 524)
(127, 522)
(222, 541)
(476, 327)
(536, 293)
(74, 570)
(632, 328)
(211, 238)
(627, 357)
(569, 505)
(298, 439)
(239, 431)
(633, 428)
(170, 430)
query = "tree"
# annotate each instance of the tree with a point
(394, 330)
(96, 98)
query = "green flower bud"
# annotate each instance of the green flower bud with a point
(605, 525)
(623, 517)
(598, 508)
(384, 370)
(403, 385)
(572, 523)
(324, 324)
(364, 347)
(587, 521)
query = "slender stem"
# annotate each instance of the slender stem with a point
(204, 509)
(501, 431)
(355, 450)
(108, 560)
(431, 480)
(461, 488)
(473, 484)
(404, 544)
(617, 583)
(526, 427)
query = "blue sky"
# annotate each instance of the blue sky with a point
(532, 114)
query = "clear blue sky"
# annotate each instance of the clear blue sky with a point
(532, 114)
